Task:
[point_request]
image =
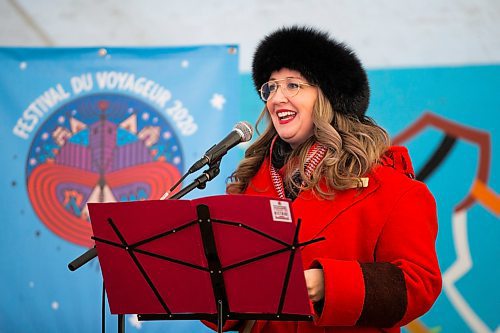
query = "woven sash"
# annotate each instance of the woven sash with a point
(314, 156)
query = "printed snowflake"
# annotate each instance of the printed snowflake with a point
(218, 101)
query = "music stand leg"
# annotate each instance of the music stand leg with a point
(121, 323)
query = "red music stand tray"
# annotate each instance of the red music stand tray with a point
(214, 258)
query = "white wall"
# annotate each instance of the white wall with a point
(385, 33)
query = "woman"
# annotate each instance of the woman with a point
(377, 269)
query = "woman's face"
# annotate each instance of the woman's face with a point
(292, 116)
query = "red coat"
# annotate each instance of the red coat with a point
(379, 257)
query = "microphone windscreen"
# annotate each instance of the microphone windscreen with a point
(245, 130)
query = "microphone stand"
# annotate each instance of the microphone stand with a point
(200, 182)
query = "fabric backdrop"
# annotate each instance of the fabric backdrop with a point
(120, 124)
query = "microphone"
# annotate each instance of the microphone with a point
(242, 132)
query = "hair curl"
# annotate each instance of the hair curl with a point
(355, 144)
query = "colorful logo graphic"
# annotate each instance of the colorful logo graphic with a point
(99, 148)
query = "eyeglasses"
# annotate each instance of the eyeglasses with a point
(289, 88)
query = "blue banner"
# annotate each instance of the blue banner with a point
(85, 125)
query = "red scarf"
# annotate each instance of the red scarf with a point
(314, 156)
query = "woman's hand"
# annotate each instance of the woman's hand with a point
(315, 282)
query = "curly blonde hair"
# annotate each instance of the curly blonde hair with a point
(353, 146)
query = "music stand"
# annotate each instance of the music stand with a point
(214, 258)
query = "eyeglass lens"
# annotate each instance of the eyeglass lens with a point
(290, 88)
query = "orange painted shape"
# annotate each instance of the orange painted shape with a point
(486, 196)
(417, 326)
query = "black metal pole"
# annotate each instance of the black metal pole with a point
(83, 259)
(200, 181)
(121, 323)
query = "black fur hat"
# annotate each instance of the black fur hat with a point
(321, 60)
